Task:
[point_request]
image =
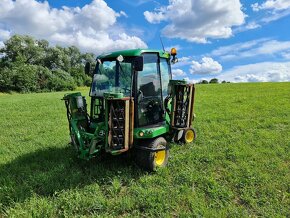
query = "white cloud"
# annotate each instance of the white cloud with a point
(123, 13)
(191, 80)
(275, 15)
(137, 3)
(271, 5)
(198, 20)
(248, 26)
(206, 66)
(88, 27)
(4, 34)
(261, 47)
(271, 47)
(269, 11)
(286, 55)
(252, 25)
(177, 47)
(178, 73)
(273, 10)
(258, 72)
(237, 47)
(250, 78)
(183, 61)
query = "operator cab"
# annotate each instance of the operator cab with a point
(141, 74)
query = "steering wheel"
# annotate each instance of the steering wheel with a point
(142, 97)
(152, 103)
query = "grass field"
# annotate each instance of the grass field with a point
(239, 166)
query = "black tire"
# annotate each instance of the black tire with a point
(189, 135)
(151, 160)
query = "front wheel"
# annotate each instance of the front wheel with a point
(152, 160)
(188, 136)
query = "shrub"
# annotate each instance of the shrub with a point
(24, 77)
(78, 74)
(44, 78)
(61, 80)
(6, 80)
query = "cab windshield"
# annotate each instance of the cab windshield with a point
(112, 76)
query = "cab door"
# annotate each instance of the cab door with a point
(149, 94)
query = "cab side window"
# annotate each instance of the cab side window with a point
(165, 76)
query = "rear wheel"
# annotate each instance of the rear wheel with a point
(188, 136)
(152, 160)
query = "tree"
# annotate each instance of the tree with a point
(24, 49)
(30, 65)
(214, 80)
(203, 81)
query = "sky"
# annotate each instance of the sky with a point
(232, 40)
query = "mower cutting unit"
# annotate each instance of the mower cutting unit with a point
(135, 106)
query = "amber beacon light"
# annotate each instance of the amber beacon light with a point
(173, 53)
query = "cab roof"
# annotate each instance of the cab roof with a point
(133, 52)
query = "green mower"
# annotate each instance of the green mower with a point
(135, 107)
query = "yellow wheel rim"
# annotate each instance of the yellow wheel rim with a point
(160, 157)
(189, 136)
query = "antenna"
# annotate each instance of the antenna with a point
(162, 43)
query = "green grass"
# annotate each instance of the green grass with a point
(238, 166)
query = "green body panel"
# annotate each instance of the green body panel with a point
(73, 105)
(89, 139)
(167, 117)
(94, 141)
(151, 132)
(133, 53)
(67, 96)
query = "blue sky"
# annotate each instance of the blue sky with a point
(233, 40)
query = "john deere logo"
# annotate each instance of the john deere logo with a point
(102, 133)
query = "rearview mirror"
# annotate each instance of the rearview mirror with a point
(88, 68)
(138, 63)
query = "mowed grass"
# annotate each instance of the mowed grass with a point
(238, 166)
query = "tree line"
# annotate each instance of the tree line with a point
(31, 65)
(214, 80)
